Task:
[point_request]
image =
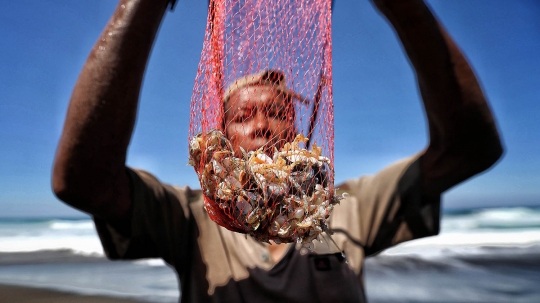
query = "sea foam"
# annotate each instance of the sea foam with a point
(78, 236)
(462, 232)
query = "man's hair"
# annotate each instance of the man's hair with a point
(269, 77)
(273, 78)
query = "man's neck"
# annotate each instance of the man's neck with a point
(277, 251)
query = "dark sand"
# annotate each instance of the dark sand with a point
(18, 294)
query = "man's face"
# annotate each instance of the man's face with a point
(259, 116)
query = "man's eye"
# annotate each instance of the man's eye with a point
(242, 116)
(276, 113)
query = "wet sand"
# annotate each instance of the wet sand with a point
(19, 294)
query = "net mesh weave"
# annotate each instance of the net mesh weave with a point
(279, 50)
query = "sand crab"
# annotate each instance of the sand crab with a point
(284, 197)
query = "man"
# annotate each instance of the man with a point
(139, 217)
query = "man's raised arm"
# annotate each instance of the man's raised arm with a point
(463, 136)
(89, 170)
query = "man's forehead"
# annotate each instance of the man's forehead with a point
(273, 78)
(258, 89)
(257, 93)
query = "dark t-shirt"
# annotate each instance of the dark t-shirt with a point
(217, 265)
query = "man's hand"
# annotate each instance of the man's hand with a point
(463, 136)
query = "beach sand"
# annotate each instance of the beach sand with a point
(18, 294)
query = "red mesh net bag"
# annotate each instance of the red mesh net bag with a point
(261, 135)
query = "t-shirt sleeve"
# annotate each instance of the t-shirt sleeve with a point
(159, 222)
(391, 207)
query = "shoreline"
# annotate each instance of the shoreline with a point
(27, 294)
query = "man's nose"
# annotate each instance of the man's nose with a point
(261, 121)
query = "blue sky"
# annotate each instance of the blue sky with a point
(379, 117)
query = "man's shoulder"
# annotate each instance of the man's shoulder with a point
(386, 179)
(145, 183)
(193, 196)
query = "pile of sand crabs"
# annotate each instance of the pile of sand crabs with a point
(284, 198)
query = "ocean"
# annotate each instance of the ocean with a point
(481, 255)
